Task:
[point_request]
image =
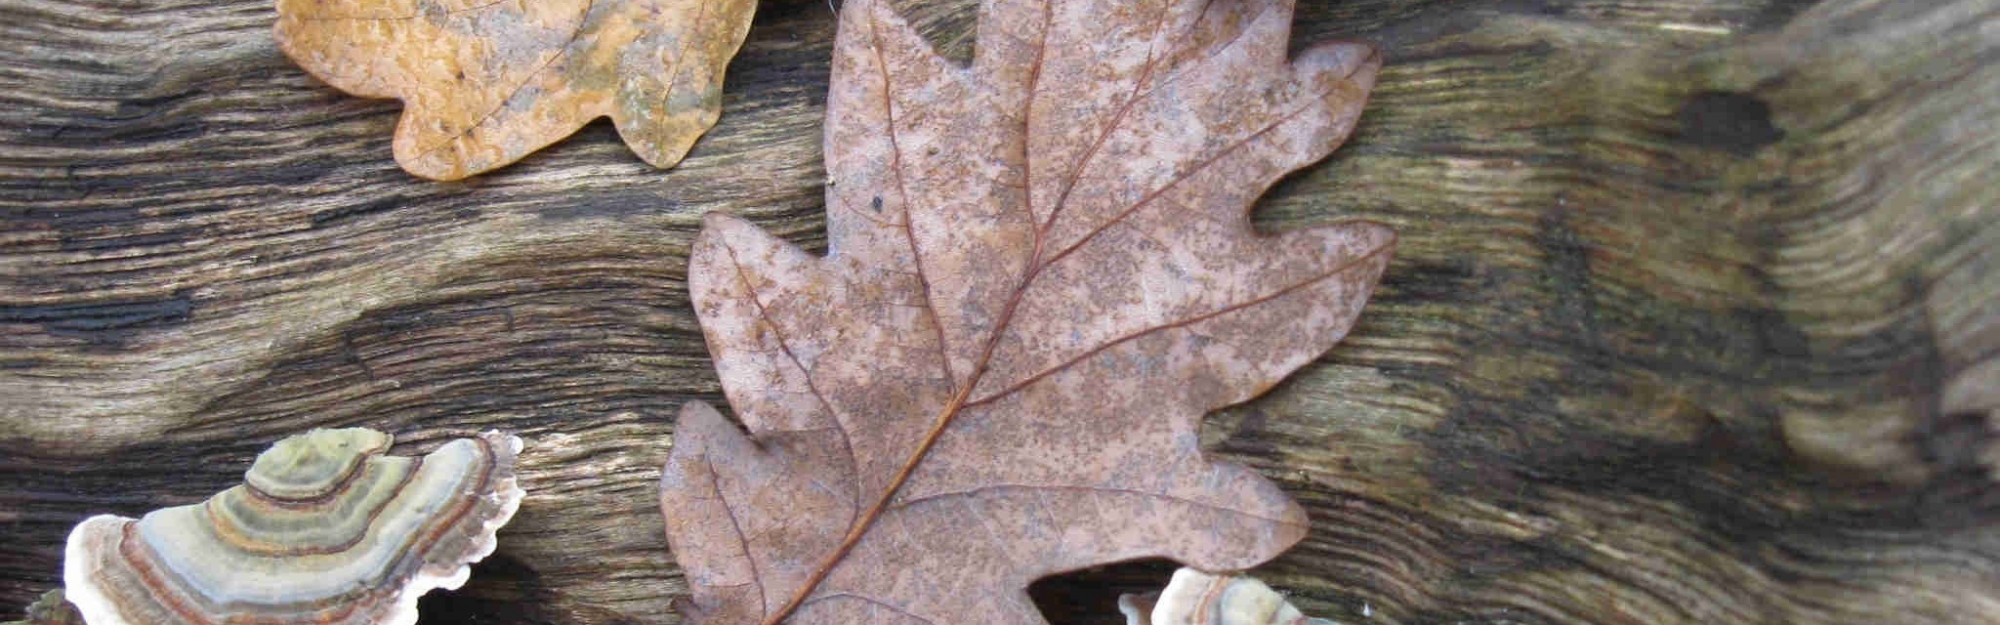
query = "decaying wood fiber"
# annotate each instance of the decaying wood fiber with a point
(1692, 318)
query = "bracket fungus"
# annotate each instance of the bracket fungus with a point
(325, 529)
(1197, 598)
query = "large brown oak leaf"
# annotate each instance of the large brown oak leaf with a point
(486, 82)
(1042, 274)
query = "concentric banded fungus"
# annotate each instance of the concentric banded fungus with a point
(1197, 598)
(325, 529)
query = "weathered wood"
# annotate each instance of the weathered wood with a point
(1695, 317)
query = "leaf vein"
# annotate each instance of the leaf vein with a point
(865, 599)
(562, 50)
(756, 577)
(785, 345)
(1037, 377)
(1042, 489)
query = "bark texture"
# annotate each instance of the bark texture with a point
(1694, 318)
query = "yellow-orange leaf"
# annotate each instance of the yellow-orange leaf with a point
(486, 82)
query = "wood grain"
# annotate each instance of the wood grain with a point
(1680, 292)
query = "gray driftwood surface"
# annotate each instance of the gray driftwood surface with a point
(1695, 318)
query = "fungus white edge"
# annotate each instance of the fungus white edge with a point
(1128, 605)
(510, 493)
(1145, 609)
(78, 568)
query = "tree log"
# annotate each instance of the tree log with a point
(1695, 318)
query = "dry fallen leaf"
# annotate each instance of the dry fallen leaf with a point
(485, 82)
(1042, 274)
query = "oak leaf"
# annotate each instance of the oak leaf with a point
(1041, 275)
(486, 82)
